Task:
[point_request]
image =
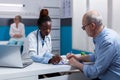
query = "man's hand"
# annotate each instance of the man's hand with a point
(73, 62)
(55, 59)
(69, 56)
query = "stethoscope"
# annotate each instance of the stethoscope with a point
(38, 42)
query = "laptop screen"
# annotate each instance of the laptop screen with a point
(10, 56)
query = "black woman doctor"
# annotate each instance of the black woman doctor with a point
(39, 41)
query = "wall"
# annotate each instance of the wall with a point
(66, 26)
(66, 35)
(115, 15)
(31, 9)
(79, 37)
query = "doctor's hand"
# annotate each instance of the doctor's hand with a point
(55, 59)
(17, 36)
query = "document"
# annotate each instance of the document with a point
(64, 61)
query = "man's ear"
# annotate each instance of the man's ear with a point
(93, 25)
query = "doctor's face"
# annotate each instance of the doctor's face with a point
(45, 28)
(16, 19)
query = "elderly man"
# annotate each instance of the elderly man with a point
(106, 57)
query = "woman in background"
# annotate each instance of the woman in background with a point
(17, 32)
(39, 41)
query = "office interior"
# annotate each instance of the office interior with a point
(67, 34)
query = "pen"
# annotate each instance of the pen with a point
(62, 62)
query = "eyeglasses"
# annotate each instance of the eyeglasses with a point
(83, 27)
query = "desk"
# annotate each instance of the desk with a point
(33, 71)
(3, 42)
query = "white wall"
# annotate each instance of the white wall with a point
(101, 6)
(116, 15)
(78, 35)
(31, 9)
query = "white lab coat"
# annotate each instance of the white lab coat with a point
(19, 30)
(30, 46)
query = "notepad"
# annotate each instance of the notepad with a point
(64, 61)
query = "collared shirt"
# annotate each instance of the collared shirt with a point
(19, 30)
(106, 56)
(37, 48)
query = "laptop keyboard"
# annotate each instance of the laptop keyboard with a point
(27, 64)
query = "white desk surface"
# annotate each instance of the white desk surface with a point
(33, 69)
(3, 42)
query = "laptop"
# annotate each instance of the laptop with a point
(10, 56)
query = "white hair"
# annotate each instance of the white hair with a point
(97, 19)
